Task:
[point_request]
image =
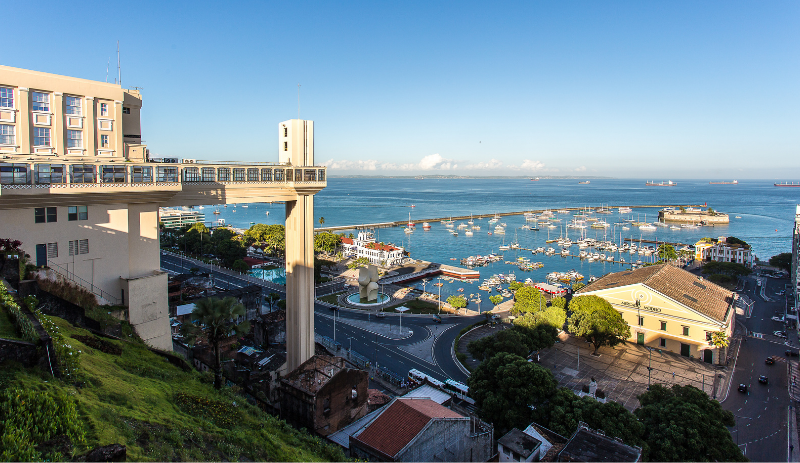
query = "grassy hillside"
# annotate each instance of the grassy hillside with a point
(123, 393)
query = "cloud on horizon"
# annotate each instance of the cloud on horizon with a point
(431, 162)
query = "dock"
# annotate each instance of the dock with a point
(403, 223)
(634, 240)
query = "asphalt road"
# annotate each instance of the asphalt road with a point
(385, 352)
(761, 414)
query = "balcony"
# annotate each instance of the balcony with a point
(166, 183)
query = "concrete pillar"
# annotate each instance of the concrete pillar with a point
(24, 134)
(299, 281)
(90, 133)
(59, 132)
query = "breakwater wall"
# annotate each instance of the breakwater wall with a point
(402, 223)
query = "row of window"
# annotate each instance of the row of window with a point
(75, 247)
(45, 174)
(664, 326)
(41, 137)
(40, 101)
(50, 214)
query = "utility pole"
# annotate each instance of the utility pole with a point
(650, 369)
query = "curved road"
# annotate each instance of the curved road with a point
(380, 350)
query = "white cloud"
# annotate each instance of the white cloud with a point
(368, 164)
(435, 161)
(580, 169)
(532, 165)
(492, 164)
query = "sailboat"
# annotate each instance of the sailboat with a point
(471, 222)
(410, 223)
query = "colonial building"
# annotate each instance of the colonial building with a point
(722, 251)
(78, 188)
(669, 308)
(377, 253)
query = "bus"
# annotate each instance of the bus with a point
(458, 390)
(419, 378)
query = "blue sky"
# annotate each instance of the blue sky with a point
(625, 89)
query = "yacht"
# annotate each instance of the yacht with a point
(426, 226)
(468, 233)
(647, 227)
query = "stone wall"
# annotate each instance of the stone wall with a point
(18, 351)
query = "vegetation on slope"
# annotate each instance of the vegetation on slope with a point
(124, 393)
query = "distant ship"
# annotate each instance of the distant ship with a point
(735, 182)
(535, 179)
(796, 185)
(669, 183)
(584, 183)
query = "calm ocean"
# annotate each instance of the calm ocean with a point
(766, 211)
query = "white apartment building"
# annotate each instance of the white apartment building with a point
(377, 253)
(722, 251)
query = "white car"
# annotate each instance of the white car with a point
(777, 319)
(780, 334)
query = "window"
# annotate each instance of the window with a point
(238, 175)
(14, 174)
(252, 175)
(310, 175)
(663, 326)
(103, 141)
(224, 174)
(41, 136)
(126, 110)
(6, 97)
(104, 109)
(82, 173)
(641, 321)
(73, 105)
(52, 250)
(191, 174)
(708, 336)
(141, 174)
(77, 247)
(321, 175)
(278, 175)
(6, 134)
(208, 174)
(298, 175)
(41, 101)
(266, 175)
(113, 174)
(286, 146)
(50, 173)
(166, 174)
(663, 342)
(686, 331)
(45, 214)
(77, 213)
(74, 139)
(285, 132)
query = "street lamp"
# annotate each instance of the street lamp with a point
(440, 295)
(649, 367)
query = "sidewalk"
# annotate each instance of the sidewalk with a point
(386, 330)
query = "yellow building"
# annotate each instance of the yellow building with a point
(669, 308)
(78, 189)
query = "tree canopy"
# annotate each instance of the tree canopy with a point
(518, 340)
(457, 302)
(506, 386)
(528, 299)
(565, 410)
(326, 242)
(783, 261)
(594, 319)
(683, 424)
(667, 252)
(553, 316)
(273, 236)
(496, 299)
(735, 240)
(726, 268)
(560, 302)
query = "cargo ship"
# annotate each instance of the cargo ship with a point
(735, 182)
(797, 185)
(669, 183)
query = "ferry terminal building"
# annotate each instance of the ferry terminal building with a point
(669, 308)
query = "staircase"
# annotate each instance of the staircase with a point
(65, 275)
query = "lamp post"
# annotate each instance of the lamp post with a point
(649, 367)
(440, 295)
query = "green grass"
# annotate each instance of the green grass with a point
(416, 306)
(331, 298)
(162, 413)
(8, 329)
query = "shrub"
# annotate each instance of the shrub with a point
(68, 357)
(23, 322)
(68, 291)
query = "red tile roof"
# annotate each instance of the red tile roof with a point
(381, 247)
(347, 241)
(400, 423)
(677, 284)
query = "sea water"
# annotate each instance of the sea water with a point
(766, 211)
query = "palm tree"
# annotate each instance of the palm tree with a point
(217, 319)
(322, 220)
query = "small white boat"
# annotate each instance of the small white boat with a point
(426, 226)
(468, 233)
(408, 230)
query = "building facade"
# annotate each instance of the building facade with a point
(795, 275)
(669, 308)
(79, 190)
(377, 253)
(177, 218)
(722, 251)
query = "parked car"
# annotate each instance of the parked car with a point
(769, 361)
(780, 334)
(790, 353)
(380, 315)
(437, 318)
(742, 388)
(763, 379)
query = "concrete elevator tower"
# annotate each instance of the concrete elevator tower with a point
(296, 148)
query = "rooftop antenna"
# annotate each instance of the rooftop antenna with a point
(119, 70)
(298, 101)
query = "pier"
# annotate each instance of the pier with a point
(403, 223)
(634, 240)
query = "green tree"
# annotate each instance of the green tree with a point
(551, 316)
(217, 319)
(726, 268)
(683, 424)
(511, 341)
(734, 240)
(515, 285)
(496, 299)
(559, 302)
(240, 266)
(506, 386)
(528, 299)
(782, 261)
(322, 220)
(594, 319)
(200, 227)
(457, 302)
(666, 252)
(271, 300)
(577, 286)
(273, 236)
(565, 410)
(326, 242)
